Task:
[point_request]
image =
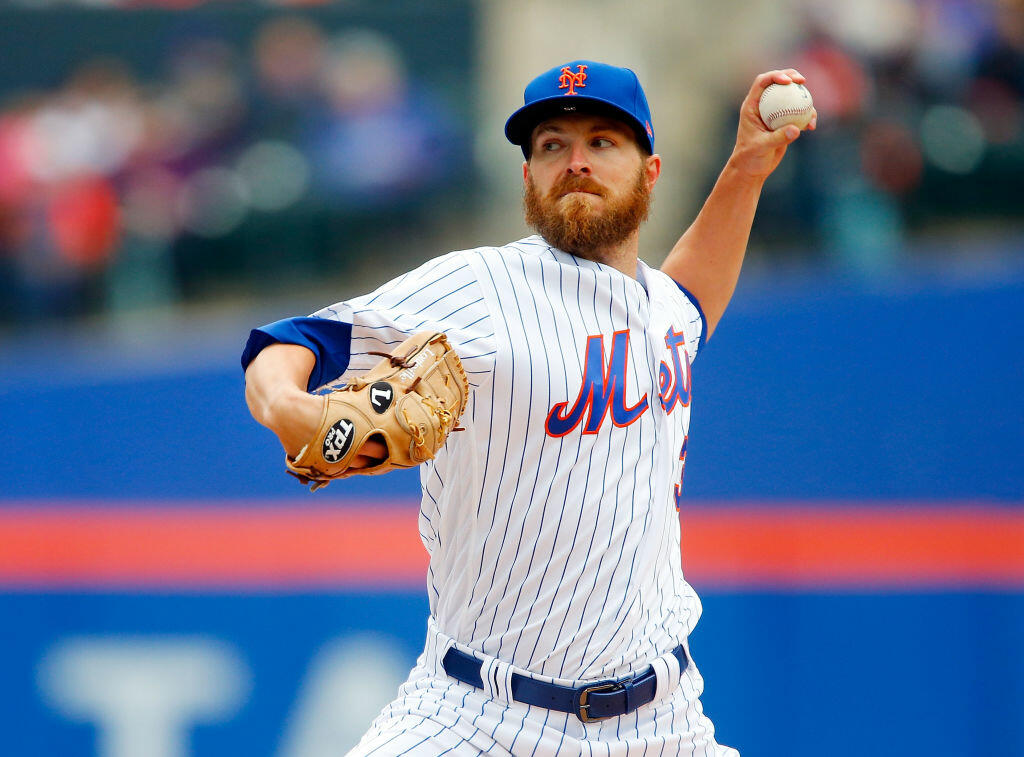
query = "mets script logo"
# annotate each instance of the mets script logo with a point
(570, 79)
(604, 387)
(674, 383)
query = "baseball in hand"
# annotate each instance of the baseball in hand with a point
(783, 104)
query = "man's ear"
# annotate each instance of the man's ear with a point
(526, 173)
(652, 167)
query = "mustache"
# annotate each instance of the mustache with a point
(575, 184)
(577, 227)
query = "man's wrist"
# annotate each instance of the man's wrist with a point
(735, 173)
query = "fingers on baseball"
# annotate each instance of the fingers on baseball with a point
(778, 76)
(783, 76)
(772, 141)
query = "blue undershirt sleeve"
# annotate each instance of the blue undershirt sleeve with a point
(329, 340)
(700, 311)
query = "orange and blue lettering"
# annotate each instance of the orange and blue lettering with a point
(603, 390)
(674, 384)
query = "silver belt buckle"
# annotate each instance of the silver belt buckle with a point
(585, 695)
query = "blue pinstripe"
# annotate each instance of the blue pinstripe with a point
(504, 457)
(558, 458)
(522, 457)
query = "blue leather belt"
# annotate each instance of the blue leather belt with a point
(596, 701)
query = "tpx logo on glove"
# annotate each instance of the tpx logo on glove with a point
(337, 440)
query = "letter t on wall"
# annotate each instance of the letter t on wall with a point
(143, 694)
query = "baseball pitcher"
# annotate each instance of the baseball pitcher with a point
(543, 388)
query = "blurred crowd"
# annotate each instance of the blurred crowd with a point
(234, 163)
(921, 130)
(218, 162)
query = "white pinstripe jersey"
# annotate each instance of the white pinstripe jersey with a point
(551, 522)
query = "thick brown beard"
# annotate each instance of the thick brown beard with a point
(573, 225)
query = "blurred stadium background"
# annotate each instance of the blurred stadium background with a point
(173, 173)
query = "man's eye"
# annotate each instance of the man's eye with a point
(602, 142)
(550, 146)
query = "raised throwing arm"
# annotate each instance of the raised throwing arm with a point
(707, 258)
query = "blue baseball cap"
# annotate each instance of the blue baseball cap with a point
(582, 86)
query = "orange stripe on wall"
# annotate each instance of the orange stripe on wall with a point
(844, 546)
(214, 546)
(210, 547)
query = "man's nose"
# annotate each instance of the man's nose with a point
(579, 163)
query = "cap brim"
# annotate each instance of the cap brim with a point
(520, 125)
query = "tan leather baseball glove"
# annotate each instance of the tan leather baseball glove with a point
(410, 402)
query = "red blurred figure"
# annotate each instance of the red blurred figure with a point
(84, 220)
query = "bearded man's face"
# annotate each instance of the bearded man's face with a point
(587, 187)
(569, 217)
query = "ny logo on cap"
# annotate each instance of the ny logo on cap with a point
(570, 80)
